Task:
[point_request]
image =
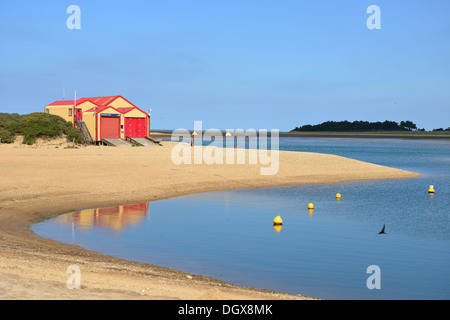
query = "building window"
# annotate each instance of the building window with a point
(47, 111)
(70, 112)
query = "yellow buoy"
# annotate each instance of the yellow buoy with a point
(310, 206)
(277, 227)
(277, 221)
(338, 196)
(431, 190)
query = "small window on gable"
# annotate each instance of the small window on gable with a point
(70, 112)
(47, 110)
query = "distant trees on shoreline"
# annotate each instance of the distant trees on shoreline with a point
(363, 126)
(359, 126)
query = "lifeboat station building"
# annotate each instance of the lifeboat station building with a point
(104, 119)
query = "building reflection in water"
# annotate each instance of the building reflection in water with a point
(113, 218)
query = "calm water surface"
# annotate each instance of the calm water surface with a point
(324, 253)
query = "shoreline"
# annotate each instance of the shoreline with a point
(163, 134)
(35, 268)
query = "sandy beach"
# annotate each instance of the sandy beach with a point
(43, 181)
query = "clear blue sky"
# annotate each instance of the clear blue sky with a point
(261, 64)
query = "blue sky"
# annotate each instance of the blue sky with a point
(262, 64)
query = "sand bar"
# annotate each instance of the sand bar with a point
(41, 182)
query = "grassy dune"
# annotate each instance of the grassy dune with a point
(36, 125)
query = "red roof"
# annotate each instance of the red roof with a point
(101, 108)
(80, 101)
(62, 103)
(125, 110)
(101, 102)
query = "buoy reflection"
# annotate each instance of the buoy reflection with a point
(278, 227)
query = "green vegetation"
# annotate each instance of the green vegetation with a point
(36, 125)
(359, 126)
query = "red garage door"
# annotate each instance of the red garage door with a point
(135, 127)
(110, 127)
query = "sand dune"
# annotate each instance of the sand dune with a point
(41, 182)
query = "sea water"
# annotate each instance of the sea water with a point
(325, 253)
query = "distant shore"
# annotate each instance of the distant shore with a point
(43, 181)
(374, 135)
(416, 135)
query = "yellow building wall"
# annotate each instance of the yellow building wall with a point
(86, 106)
(120, 103)
(62, 111)
(122, 127)
(135, 114)
(89, 120)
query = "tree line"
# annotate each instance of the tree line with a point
(363, 126)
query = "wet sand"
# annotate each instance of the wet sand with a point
(38, 183)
